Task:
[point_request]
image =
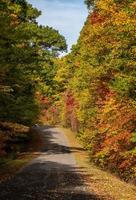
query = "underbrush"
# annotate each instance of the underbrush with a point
(13, 137)
(18, 146)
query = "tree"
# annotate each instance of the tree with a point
(26, 49)
(99, 74)
(90, 3)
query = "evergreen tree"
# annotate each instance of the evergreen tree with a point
(26, 49)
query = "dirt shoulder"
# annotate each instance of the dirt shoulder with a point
(101, 182)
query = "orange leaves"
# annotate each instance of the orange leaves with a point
(96, 18)
(14, 20)
(100, 75)
(70, 107)
(115, 126)
(69, 101)
(120, 140)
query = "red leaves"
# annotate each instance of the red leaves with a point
(70, 102)
(124, 165)
(115, 126)
(53, 109)
(96, 18)
(71, 105)
(120, 140)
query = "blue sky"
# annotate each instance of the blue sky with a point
(67, 16)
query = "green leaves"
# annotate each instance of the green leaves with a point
(124, 85)
(133, 138)
(26, 50)
(89, 3)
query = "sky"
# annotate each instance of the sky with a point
(67, 16)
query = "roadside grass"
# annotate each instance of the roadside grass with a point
(10, 165)
(103, 183)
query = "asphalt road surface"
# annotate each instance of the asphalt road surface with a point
(54, 175)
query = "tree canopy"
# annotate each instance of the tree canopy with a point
(27, 51)
(97, 83)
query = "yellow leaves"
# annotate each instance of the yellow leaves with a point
(104, 63)
(107, 6)
(61, 75)
(84, 97)
(116, 15)
(120, 18)
(14, 11)
(133, 5)
(14, 8)
(110, 106)
(63, 71)
(14, 16)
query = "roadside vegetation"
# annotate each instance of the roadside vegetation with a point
(98, 181)
(19, 147)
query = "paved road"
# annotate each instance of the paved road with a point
(54, 175)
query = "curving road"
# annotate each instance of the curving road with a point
(54, 175)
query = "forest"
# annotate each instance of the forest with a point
(96, 86)
(27, 53)
(91, 90)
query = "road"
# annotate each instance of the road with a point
(53, 175)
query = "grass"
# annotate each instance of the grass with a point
(103, 183)
(10, 167)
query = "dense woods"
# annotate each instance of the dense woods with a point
(27, 52)
(96, 86)
(91, 90)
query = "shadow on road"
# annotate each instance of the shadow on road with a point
(50, 176)
(52, 147)
(47, 181)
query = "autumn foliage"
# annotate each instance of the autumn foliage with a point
(98, 89)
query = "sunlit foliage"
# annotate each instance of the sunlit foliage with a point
(98, 83)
